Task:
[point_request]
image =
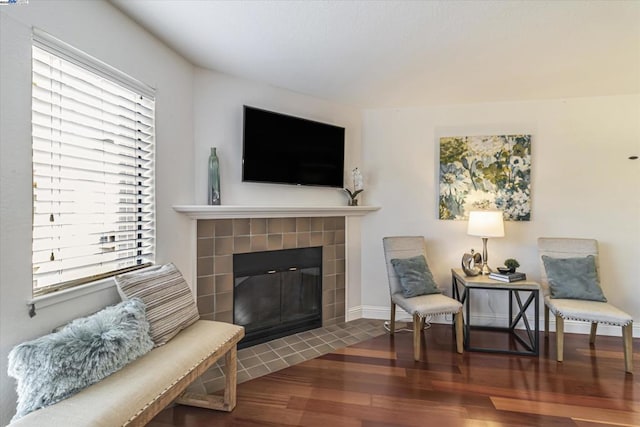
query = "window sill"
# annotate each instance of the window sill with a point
(58, 297)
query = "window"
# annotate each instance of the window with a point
(93, 169)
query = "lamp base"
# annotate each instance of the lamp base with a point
(485, 269)
(485, 256)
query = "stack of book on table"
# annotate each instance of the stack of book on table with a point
(507, 277)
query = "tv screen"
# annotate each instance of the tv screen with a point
(278, 148)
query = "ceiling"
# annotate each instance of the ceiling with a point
(409, 53)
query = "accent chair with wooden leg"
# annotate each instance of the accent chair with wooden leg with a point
(571, 286)
(412, 288)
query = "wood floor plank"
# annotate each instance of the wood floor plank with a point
(251, 414)
(494, 417)
(580, 423)
(540, 396)
(377, 383)
(610, 354)
(365, 352)
(584, 413)
(325, 364)
(270, 391)
(413, 418)
(417, 405)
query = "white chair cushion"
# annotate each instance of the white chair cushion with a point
(588, 311)
(424, 305)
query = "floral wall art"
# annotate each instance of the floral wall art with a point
(485, 172)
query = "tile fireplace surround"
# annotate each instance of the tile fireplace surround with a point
(219, 239)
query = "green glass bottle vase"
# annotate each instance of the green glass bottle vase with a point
(213, 197)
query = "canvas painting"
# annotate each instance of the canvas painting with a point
(485, 172)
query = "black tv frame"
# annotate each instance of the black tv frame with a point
(279, 148)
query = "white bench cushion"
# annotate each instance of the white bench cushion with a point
(117, 399)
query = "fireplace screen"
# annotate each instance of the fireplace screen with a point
(277, 293)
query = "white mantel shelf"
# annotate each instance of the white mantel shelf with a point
(231, 211)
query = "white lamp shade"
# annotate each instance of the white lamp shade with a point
(486, 224)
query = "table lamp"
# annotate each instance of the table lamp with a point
(485, 224)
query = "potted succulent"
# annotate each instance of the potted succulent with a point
(512, 264)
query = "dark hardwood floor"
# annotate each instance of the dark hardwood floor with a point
(377, 384)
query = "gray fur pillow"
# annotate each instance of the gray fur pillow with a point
(56, 366)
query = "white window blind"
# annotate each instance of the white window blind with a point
(93, 173)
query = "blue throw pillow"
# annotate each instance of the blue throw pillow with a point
(573, 278)
(415, 276)
(56, 366)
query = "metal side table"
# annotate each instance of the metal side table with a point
(528, 338)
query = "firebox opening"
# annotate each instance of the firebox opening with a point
(277, 293)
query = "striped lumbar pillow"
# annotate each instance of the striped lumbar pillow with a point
(168, 298)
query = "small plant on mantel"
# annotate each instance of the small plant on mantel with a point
(357, 187)
(512, 264)
(352, 196)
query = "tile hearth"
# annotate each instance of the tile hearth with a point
(283, 352)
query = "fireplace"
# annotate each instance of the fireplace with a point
(219, 240)
(277, 293)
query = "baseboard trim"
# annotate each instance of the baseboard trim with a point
(570, 326)
(374, 312)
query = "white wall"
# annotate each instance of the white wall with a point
(218, 101)
(102, 31)
(583, 185)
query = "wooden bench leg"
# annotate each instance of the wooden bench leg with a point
(231, 379)
(627, 337)
(219, 403)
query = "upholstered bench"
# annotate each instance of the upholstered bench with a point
(133, 395)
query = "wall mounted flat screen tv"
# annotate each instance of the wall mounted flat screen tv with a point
(283, 149)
